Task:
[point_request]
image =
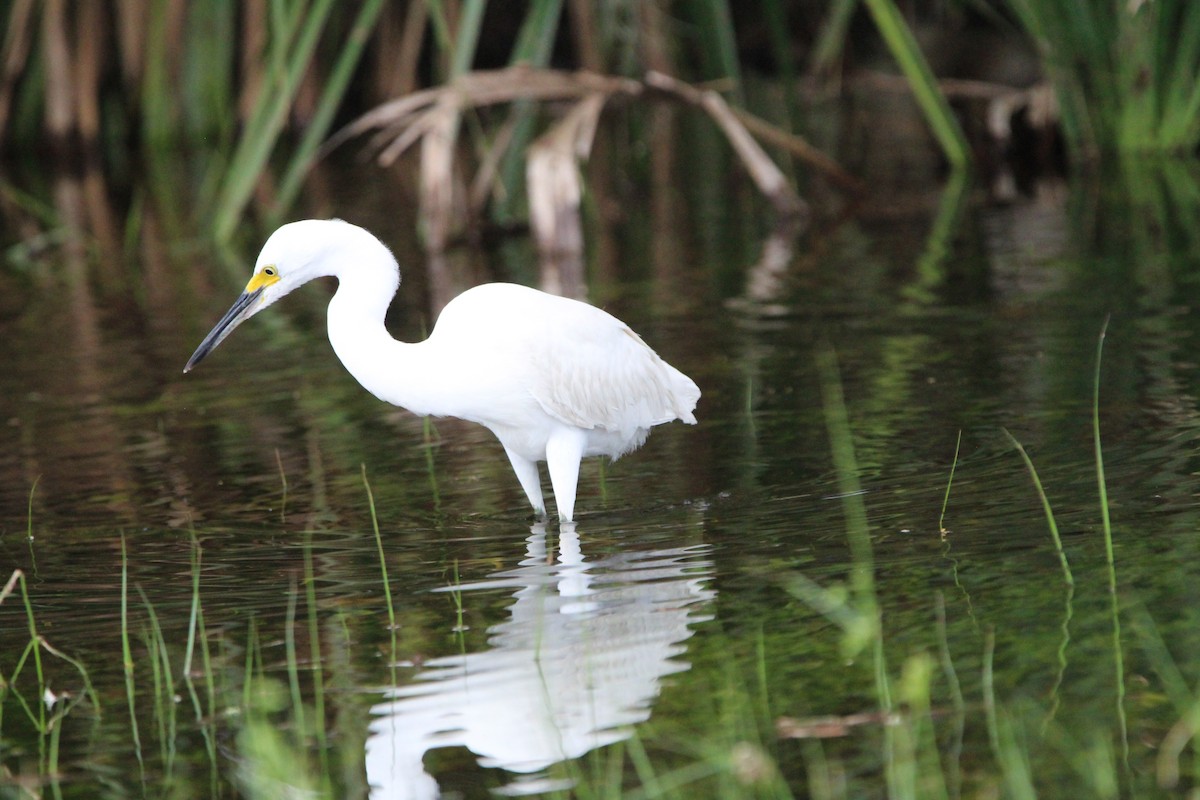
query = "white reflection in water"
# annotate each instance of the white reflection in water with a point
(578, 662)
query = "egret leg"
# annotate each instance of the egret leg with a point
(564, 451)
(531, 482)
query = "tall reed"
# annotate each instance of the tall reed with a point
(1124, 72)
(236, 81)
(904, 48)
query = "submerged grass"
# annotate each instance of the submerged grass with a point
(1006, 747)
(274, 758)
(293, 659)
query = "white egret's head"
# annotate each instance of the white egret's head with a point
(292, 256)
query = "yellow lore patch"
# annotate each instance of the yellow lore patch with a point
(261, 280)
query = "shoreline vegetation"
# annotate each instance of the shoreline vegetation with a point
(518, 90)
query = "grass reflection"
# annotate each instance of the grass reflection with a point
(911, 757)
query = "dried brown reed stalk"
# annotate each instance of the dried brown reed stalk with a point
(72, 42)
(431, 117)
(131, 38)
(765, 174)
(400, 31)
(18, 39)
(555, 190)
(60, 108)
(253, 61)
(584, 35)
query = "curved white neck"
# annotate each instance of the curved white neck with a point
(356, 320)
(397, 372)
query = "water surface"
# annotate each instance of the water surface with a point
(673, 634)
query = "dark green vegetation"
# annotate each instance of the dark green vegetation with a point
(260, 85)
(1124, 73)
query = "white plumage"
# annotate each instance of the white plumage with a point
(554, 379)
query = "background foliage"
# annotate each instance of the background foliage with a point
(260, 84)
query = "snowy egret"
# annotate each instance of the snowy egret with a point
(554, 379)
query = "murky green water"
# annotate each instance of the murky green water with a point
(679, 640)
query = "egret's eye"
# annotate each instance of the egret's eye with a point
(269, 272)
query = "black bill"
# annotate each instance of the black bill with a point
(239, 312)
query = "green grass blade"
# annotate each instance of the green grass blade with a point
(1106, 521)
(1068, 577)
(536, 37)
(327, 105)
(158, 98)
(466, 42)
(428, 438)
(127, 659)
(441, 36)
(718, 46)
(34, 645)
(208, 79)
(164, 684)
(29, 509)
(196, 631)
(194, 611)
(387, 586)
(29, 527)
(831, 39)
(533, 47)
(904, 48)
(949, 483)
(1049, 511)
(284, 482)
(256, 144)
